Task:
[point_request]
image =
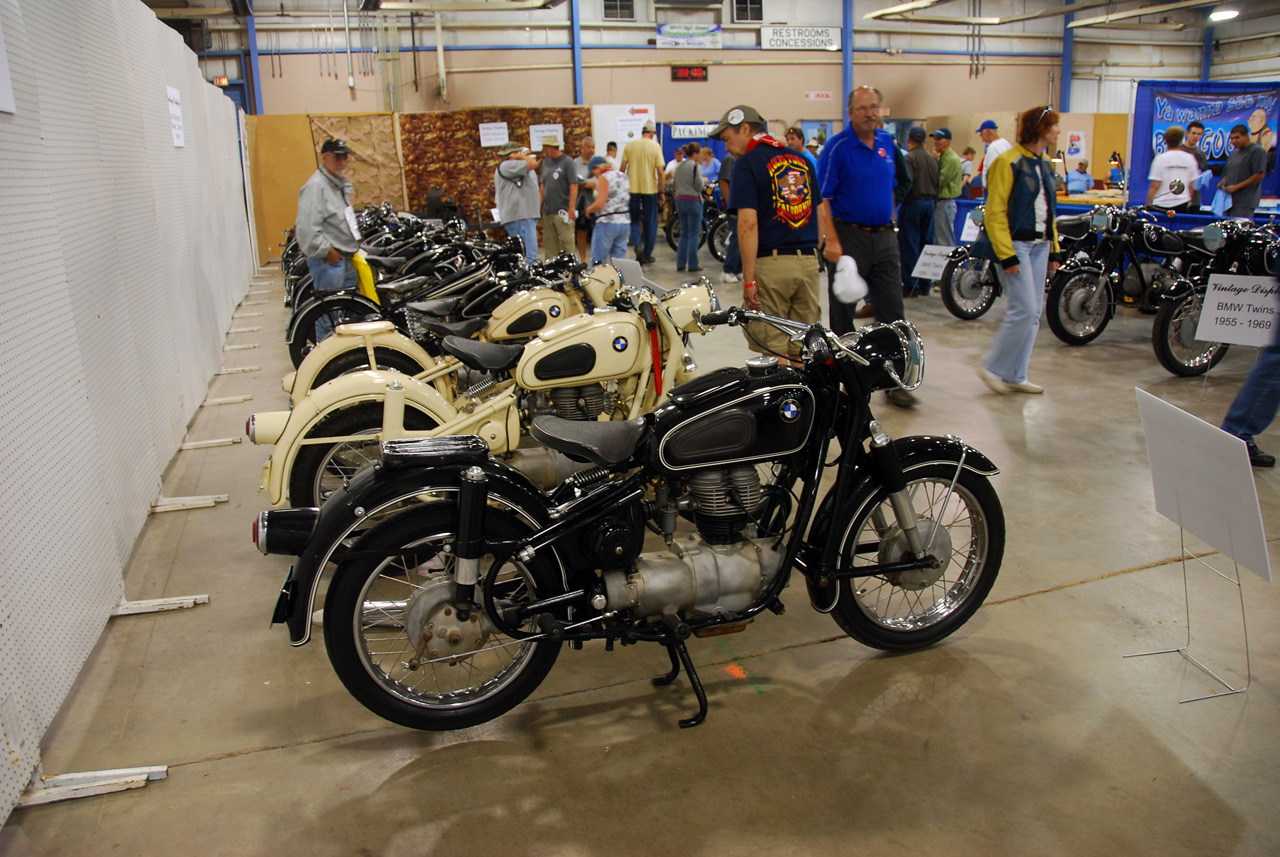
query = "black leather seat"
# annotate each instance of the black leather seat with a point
(1073, 225)
(600, 443)
(438, 308)
(485, 356)
(466, 328)
(387, 263)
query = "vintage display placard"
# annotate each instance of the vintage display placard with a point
(1240, 310)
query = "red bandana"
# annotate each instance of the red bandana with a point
(766, 139)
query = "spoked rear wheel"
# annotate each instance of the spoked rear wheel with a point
(909, 610)
(1173, 335)
(968, 287)
(1078, 306)
(393, 635)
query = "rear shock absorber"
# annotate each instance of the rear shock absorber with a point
(469, 546)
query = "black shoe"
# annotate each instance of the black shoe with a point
(694, 270)
(646, 260)
(679, 267)
(1258, 458)
(901, 398)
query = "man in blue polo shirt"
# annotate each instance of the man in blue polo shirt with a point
(858, 173)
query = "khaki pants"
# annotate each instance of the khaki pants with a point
(557, 236)
(788, 287)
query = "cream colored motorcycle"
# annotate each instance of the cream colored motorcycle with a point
(614, 363)
(379, 344)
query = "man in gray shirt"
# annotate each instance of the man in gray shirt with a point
(586, 194)
(559, 197)
(1243, 175)
(515, 193)
(326, 227)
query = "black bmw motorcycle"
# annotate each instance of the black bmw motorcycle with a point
(458, 581)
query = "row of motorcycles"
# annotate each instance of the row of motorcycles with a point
(1123, 257)
(473, 491)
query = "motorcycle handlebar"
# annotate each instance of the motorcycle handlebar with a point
(711, 319)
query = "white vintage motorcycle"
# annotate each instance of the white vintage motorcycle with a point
(380, 345)
(615, 363)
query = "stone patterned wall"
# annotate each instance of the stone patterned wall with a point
(374, 169)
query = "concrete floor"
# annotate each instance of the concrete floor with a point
(1024, 733)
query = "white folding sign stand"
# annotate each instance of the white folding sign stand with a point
(1203, 483)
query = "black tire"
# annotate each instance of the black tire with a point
(357, 360)
(719, 238)
(319, 468)
(1068, 318)
(672, 230)
(340, 309)
(1173, 337)
(968, 287)
(911, 610)
(378, 606)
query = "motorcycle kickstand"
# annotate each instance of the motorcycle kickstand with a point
(680, 656)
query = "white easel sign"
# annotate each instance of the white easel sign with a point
(971, 230)
(933, 258)
(1240, 310)
(175, 117)
(493, 134)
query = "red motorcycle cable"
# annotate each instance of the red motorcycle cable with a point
(657, 361)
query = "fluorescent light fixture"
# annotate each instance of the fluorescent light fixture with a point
(1223, 13)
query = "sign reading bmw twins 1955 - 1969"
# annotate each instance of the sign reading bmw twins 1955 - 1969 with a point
(800, 38)
(1240, 310)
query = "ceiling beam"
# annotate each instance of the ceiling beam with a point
(1103, 20)
(903, 7)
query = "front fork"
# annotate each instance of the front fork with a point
(469, 547)
(904, 510)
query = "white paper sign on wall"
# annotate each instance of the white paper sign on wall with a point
(629, 128)
(933, 258)
(7, 103)
(537, 132)
(493, 133)
(1240, 310)
(175, 116)
(823, 95)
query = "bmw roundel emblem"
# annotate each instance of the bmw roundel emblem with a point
(789, 411)
(555, 311)
(620, 343)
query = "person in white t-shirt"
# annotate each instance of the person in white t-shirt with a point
(1172, 174)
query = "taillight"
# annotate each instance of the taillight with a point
(248, 431)
(260, 531)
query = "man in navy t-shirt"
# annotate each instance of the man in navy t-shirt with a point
(775, 196)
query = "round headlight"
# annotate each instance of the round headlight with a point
(1213, 237)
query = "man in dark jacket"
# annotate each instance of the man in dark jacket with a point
(915, 217)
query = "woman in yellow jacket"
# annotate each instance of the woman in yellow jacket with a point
(1020, 224)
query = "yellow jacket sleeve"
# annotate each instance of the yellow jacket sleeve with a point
(996, 216)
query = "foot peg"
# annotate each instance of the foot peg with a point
(550, 626)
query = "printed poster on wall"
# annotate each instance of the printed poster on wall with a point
(537, 132)
(7, 103)
(1257, 111)
(1076, 147)
(688, 36)
(175, 117)
(629, 128)
(493, 134)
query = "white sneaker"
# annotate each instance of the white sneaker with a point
(730, 277)
(1026, 387)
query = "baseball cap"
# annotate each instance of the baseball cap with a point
(736, 116)
(942, 134)
(596, 161)
(916, 134)
(509, 147)
(551, 140)
(337, 147)
(649, 128)
(988, 125)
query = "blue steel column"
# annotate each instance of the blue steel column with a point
(252, 35)
(1206, 59)
(846, 54)
(1068, 60)
(575, 36)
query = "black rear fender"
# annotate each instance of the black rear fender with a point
(374, 493)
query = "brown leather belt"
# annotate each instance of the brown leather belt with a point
(884, 228)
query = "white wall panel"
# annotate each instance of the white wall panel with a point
(121, 259)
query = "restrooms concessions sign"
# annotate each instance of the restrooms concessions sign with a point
(1219, 106)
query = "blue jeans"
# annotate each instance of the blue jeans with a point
(326, 277)
(644, 222)
(609, 241)
(915, 228)
(732, 255)
(944, 223)
(527, 230)
(1256, 404)
(690, 213)
(1010, 353)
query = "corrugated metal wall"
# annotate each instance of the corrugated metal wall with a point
(121, 260)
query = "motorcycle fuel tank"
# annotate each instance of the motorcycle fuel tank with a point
(598, 347)
(525, 313)
(731, 416)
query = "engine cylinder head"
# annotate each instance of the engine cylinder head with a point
(725, 500)
(578, 403)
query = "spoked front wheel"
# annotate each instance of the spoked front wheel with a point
(968, 287)
(908, 610)
(1078, 306)
(1173, 335)
(393, 634)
